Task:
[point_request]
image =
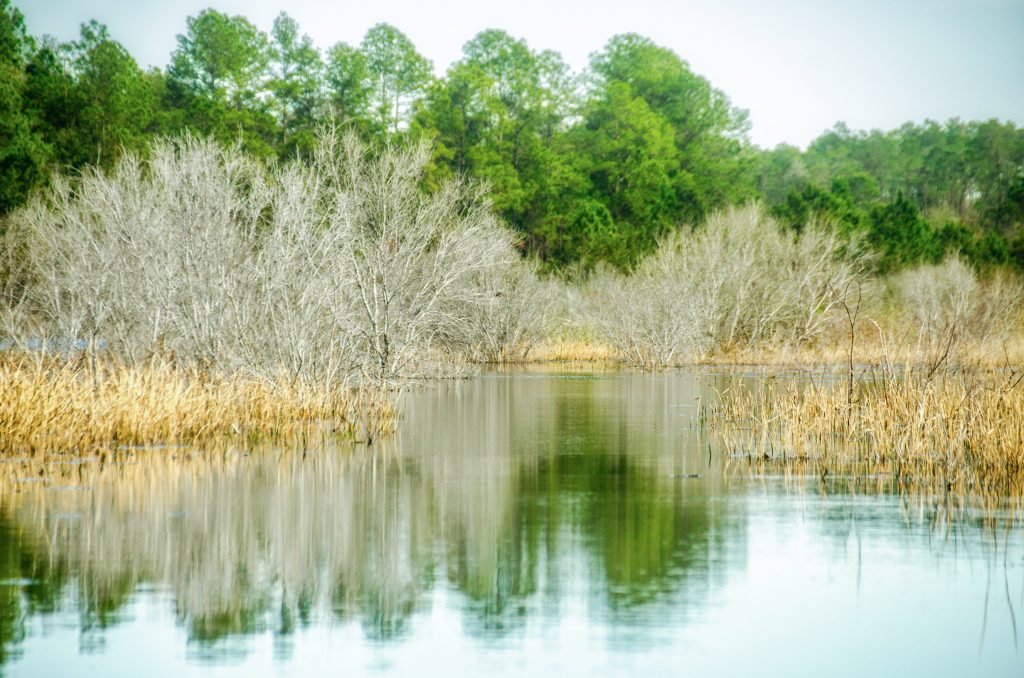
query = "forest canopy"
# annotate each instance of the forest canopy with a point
(596, 166)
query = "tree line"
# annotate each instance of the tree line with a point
(595, 166)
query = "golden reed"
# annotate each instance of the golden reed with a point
(49, 405)
(960, 431)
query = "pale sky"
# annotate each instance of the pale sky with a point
(798, 66)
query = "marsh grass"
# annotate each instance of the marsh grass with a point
(960, 432)
(875, 345)
(878, 344)
(572, 350)
(52, 405)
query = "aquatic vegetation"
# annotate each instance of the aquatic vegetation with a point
(51, 405)
(743, 288)
(329, 284)
(523, 497)
(948, 311)
(958, 431)
(509, 318)
(457, 495)
(196, 291)
(573, 350)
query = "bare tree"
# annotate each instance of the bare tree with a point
(339, 269)
(948, 306)
(509, 317)
(739, 280)
(411, 256)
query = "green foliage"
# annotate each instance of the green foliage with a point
(813, 202)
(397, 71)
(221, 58)
(216, 77)
(295, 85)
(23, 152)
(113, 100)
(896, 230)
(1016, 248)
(780, 172)
(629, 156)
(1008, 211)
(710, 134)
(659, 145)
(968, 168)
(990, 249)
(15, 43)
(348, 83)
(497, 116)
(899, 233)
(577, 241)
(590, 175)
(589, 167)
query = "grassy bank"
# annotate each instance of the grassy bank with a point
(872, 348)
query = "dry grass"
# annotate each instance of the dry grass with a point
(51, 405)
(961, 432)
(877, 348)
(871, 348)
(571, 350)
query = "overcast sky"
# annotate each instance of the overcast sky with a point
(798, 66)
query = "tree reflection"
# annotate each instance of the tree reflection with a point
(517, 492)
(29, 584)
(560, 469)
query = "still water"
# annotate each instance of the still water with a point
(517, 524)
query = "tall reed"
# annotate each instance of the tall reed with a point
(960, 431)
(52, 405)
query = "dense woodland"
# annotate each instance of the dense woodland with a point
(586, 167)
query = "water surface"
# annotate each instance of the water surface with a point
(521, 523)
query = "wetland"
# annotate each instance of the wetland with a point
(525, 520)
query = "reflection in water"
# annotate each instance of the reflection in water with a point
(526, 496)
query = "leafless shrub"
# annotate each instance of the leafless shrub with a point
(948, 306)
(341, 268)
(641, 317)
(508, 318)
(412, 258)
(149, 257)
(738, 281)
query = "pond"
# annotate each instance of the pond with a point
(538, 523)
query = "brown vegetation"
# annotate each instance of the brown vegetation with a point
(49, 405)
(961, 431)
